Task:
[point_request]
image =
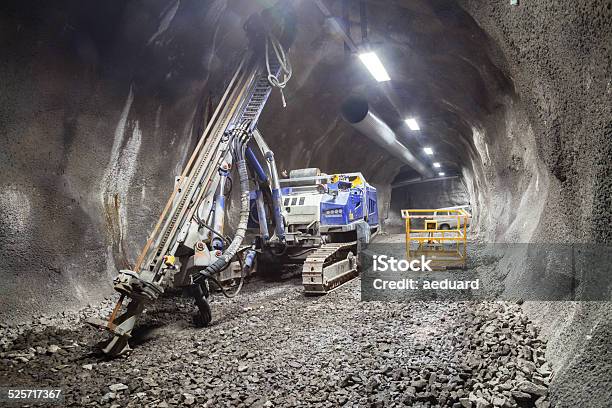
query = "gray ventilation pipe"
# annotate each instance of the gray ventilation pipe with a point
(356, 111)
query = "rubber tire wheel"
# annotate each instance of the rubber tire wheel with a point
(204, 315)
(445, 227)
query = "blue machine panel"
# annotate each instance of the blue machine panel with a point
(372, 206)
(350, 204)
(334, 209)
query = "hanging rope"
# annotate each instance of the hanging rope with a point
(285, 66)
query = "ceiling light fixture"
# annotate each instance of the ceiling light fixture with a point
(428, 150)
(412, 124)
(436, 165)
(373, 64)
(441, 174)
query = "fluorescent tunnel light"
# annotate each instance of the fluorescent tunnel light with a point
(428, 150)
(412, 124)
(373, 64)
(436, 165)
(441, 174)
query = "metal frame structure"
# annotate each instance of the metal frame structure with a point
(447, 248)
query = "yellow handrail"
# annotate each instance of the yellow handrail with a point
(436, 240)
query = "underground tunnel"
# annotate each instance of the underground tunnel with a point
(197, 197)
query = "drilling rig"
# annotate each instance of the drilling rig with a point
(188, 247)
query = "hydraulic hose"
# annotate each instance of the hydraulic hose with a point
(224, 260)
(278, 81)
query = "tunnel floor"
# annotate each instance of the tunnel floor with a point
(272, 346)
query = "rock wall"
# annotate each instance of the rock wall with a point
(98, 115)
(558, 55)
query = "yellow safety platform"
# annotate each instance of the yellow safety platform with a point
(438, 234)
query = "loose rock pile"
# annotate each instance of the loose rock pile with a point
(273, 347)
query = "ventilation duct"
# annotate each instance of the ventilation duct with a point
(357, 112)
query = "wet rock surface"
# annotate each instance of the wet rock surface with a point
(273, 347)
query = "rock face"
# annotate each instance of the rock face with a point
(102, 103)
(558, 54)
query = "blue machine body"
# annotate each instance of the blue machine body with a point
(340, 200)
(345, 204)
(344, 200)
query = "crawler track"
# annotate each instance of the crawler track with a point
(328, 267)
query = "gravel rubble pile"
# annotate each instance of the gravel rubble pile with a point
(273, 347)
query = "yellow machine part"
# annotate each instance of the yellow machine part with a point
(355, 181)
(169, 260)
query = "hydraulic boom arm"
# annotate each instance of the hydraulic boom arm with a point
(188, 244)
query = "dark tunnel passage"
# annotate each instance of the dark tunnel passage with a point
(102, 104)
